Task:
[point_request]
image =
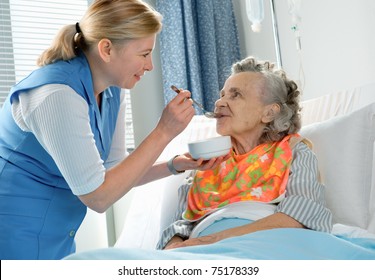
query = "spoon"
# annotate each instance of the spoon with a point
(208, 114)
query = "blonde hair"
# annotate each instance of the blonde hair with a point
(116, 20)
(279, 89)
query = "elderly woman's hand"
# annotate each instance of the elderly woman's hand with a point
(174, 242)
(276, 220)
(204, 240)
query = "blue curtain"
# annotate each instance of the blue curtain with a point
(199, 43)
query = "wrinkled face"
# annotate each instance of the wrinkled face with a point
(132, 61)
(241, 106)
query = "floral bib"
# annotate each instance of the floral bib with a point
(259, 175)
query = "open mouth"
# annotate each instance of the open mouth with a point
(220, 115)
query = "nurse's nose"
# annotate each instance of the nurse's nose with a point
(149, 65)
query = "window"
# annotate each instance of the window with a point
(7, 71)
(26, 29)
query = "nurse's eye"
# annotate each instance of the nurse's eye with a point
(146, 54)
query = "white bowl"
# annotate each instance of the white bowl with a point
(211, 147)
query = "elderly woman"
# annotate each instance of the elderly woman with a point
(270, 179)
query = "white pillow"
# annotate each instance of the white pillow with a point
(344, 147)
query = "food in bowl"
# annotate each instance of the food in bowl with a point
(210, 147)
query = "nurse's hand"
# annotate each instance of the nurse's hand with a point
(176, 115)
(186, 162)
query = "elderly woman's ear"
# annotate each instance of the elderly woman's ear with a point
(270, 112)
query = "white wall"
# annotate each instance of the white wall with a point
(337, 43)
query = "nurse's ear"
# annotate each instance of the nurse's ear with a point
(105, 49)
(270, 112)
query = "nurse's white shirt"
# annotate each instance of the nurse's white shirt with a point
(58, 117)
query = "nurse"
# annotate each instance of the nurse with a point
(62, 131)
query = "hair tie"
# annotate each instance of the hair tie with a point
(78, 29)
(77, 38)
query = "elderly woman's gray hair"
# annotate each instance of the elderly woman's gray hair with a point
(280, 90)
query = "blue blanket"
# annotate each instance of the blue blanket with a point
(274, 244)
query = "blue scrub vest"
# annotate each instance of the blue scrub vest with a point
(39, 214)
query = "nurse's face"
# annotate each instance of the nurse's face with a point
(132, 61)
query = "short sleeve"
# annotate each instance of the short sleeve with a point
(60, 122)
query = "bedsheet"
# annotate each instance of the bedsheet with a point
(273, 244)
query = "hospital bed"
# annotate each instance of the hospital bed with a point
(342, 129)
